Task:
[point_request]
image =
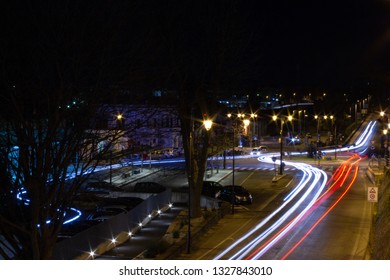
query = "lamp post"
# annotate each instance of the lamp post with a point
(207, 125)
(336, 140)
(254, 132)
(316, 117)
(275, 118)
(319, 125)
(246, 122)
(385, 144)
(119, 118)
(282, 121)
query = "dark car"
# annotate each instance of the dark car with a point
(236, 193)
(128, 202)
(100, 187)
(211, 189)
(149, 187)
(102, 215)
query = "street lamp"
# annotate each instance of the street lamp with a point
(317, 118)
(282, 121)
(254, 132)
(246, 122)
(119, 118)
(335, 138)
(319, 125)
(299, 122)
(385, 145)
(208, 124)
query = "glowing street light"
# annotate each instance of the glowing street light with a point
(254, 131)
(246, 122)
(385, 144)
(208, 124)
(275, 118)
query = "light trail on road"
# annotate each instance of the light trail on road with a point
(309, 193)
(310, 187)
(348, 167)
(355, 172)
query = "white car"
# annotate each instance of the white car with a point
(263, 148)
(255, 152)
(258, 151)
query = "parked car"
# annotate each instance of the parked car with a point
(69, 230)
(236, 193)
(149, 187)
(102, 215)
(100, 187)
(124, 202)
(211, 189)
(115, 208)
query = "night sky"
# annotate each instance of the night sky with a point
(325, 43)
(252, 43)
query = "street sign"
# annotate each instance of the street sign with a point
(273, 159)
(372, 194)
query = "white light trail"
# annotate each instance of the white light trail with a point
(309, 172)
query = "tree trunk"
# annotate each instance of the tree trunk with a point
(195, 142)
